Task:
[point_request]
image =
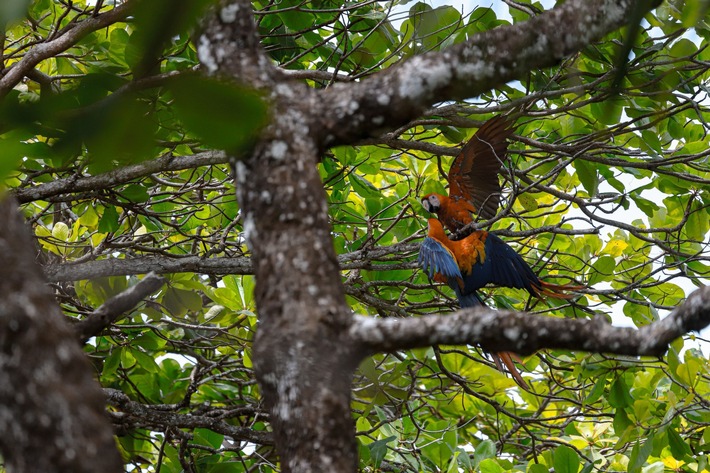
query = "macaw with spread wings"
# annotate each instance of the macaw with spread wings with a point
(481, 258)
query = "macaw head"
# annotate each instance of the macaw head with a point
(431, 203)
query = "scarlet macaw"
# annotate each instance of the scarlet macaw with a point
(481, 258)
(473, 177)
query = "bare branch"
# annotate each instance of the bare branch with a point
(134, 415)
(380, 258)
(142, 265)
(118, 305)
(61, 43)
(465, 70)
(120, 175)
(524, 333)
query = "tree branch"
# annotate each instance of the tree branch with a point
(393, 97)
(142, 265)
(118, 305)
(524, 333)
(136, 415)
(375, 258)
(118, 176)
(61, 43)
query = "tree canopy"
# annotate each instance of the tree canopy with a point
(117, 129)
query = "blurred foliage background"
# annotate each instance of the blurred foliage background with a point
(110, 141)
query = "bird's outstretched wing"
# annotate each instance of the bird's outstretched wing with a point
(503, 266)
(473, 175)
(435, 258)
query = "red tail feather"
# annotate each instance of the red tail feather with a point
(506, 358)
(558, 291)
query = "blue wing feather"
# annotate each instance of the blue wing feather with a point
(436, 258)
(502, 267)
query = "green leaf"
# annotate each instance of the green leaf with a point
(651, 142)
(698, 224)
(61, 231)
(602, 270)
(135, 193)
(538, 468)
(639, 454)
(608, 112)
(565, 459)
(112, 362)
(485, 449)
(454, 463)
(528, 202)
(588, 176)
(11, 154)
(145, 361)
(433, 26)
(363, 187)
(679, 448)
(209, 438)
(692, 14)
(179, 301)
(12, 10)
(587, 468)
(109, 220)
(621, 421)
(683, 47)
(223, 115)
(117, 129)
(619, 396)
(378, 449)
(155, 23)
(656, 467)
(596, 391)
(297, 20)
(490, 465)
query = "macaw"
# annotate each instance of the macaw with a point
(473, 177)
(481, 258)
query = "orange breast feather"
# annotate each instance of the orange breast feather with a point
(470, 251)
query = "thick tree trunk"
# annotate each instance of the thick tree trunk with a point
(303, 358)
(52, 414)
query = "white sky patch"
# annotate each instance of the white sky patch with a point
(181, 359)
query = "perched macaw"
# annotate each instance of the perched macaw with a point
(481, 258)
(473, 177)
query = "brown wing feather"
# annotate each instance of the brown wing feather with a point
(474, 173)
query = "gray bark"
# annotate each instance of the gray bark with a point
(111, 310)
(498, 330)
(52, 415)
